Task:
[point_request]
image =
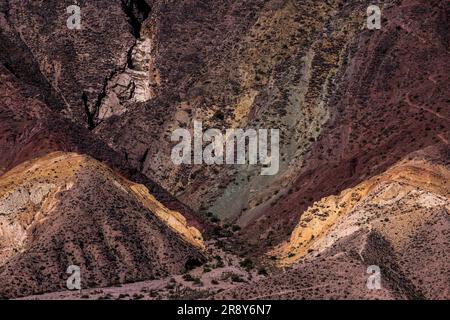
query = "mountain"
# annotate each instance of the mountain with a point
(398, 220)
(363, 117)
(68, 209)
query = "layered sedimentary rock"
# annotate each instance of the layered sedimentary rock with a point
(401, 199)
(386, 101)
(357, 110)
(349, 101)
(67, 209)
(397, 222)
(326, 81)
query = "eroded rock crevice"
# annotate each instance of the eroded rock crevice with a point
(137, 12)
(138, 80)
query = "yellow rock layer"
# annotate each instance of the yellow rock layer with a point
(244, 106)
(318, 219)
(28, 195)
(56, 167)
(175, 220)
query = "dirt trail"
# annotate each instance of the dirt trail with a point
(443, 139)
(413, 105)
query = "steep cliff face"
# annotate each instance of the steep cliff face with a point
(342, 96)
(70, 59)
(67, 209)
(31, 128)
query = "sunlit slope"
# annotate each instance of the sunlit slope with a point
(66, 208)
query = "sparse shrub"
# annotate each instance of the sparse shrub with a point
(235, 228)
(247, 264)
(214, 219)
(262, 271)
(236, 278)
(138, 296)
(170, 286)
(197, 282)
(188, 277)
(206, 269)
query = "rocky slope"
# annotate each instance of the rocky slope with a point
(374, 122)
(341, 94)
(363, 114)
(403, 197)
(67, 209)
(398, 221)
(31, 128)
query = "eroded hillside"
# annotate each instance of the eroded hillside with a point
(398, 221)
(67, 209)
(86, 117)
